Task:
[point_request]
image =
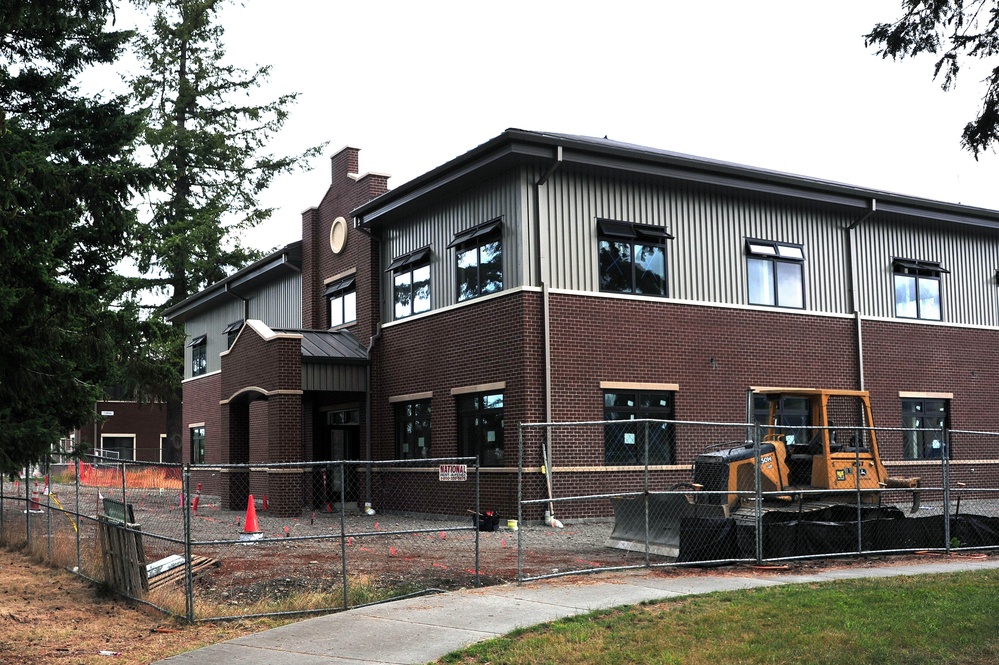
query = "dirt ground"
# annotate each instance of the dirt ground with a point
(48, 615)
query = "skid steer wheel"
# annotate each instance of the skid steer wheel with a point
(688, 487)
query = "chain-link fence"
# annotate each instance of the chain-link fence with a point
(210, 542)
(611, 495)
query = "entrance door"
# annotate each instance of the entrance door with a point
(338, 438)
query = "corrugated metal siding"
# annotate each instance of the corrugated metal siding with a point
(278, 303)
(211, 324)
(437, 224)
(969, 292)
(706, 258)
(331, 376)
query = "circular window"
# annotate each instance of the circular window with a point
(338, 235)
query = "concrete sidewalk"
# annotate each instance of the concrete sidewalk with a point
(419, 630)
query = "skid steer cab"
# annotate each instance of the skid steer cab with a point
(814, 439)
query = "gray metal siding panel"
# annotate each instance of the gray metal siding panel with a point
(278, 303)
(211, 323)
(969, 292)
(706, 259)
(436, 225)
(327, 376)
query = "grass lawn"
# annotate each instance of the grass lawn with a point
(952, 618)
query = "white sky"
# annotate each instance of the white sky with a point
(778, 84)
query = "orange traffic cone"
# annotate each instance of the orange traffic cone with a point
(35, 506)
(251, 530)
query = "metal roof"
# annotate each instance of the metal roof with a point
(515, 146)
(339, 346)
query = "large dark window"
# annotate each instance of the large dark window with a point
(411, 283)
(626, 442)
(925, 419)
(118, 446)
(197, 445)
(480, 260)
(775, 273)
(412, 429)
(480, 427)
(199, 355)
(917, 289)
(632, 257)
(342, 298)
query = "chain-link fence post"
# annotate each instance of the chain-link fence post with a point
(860, 499)
(343, 530)
(945, 474)
(27, 506)
(48, 508)
(520, 504)
(646, 486)
(758, 493)
(79, 522)
(185, 487)
(3, 506)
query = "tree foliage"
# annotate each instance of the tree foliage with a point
(207, 140)
(65, 220)
(950, 30)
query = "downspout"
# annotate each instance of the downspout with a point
(543, 269)
(367, 388)
(246, 303)
(854, 285)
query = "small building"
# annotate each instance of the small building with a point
(125, 429)
(546, 277)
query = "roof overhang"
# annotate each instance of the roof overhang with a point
(514, 147)
(283, 262)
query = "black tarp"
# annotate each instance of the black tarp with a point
(832, 530)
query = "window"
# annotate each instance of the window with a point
(480, 260)
(411, 283)
(917, 289)
(231, 331)
(343, 302)
(926, 420)
(118, 446)
(632, 257)
(626, 443)
(480, 427)
(776, 273)
(412, 429)
(198, 445)
(199, 355)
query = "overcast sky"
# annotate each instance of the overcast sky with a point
(778, 84)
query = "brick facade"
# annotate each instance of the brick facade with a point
(145, 422)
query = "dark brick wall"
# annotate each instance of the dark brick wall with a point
(146, 421)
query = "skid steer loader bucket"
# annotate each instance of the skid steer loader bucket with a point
(666, 511)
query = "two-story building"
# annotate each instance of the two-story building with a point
(545, 277)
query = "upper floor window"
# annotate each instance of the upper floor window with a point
(480, 259)
(411, 283)
(925, 419)
(199, 355)
(480, 427)
(917, 289)
(342, 298)
(628, 442)
(632, 257)
(412, 429)
(231, 331)
(776, 273)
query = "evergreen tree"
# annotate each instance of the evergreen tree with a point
(208, 145)
(68, 178)
(950, 30)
